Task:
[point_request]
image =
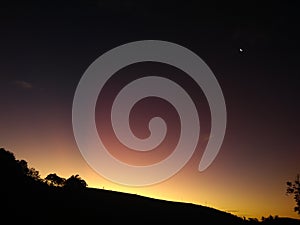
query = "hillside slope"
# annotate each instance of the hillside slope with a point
(25, 198)
(58, 206)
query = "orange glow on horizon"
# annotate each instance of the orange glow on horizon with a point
(206, 188)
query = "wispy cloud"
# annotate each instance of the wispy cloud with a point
(23, 84)
(232, 211)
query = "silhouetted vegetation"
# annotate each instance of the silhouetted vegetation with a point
(54, 180)
(17, 171)
(14, 171)
(29, 199)
(75, 183)
(293, 188)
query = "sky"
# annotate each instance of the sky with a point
(251, 47)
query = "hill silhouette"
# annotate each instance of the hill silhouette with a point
(28, 199)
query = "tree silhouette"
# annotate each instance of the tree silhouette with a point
(29, 172)
(55, 180)
(24, 166)
(293, 188)
(75, 182)
(12, 171)
(34, 174)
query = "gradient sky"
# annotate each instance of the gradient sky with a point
(252, 48)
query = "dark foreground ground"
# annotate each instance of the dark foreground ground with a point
(25, 198)
(49, 205)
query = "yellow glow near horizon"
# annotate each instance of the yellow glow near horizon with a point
(216, 187)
